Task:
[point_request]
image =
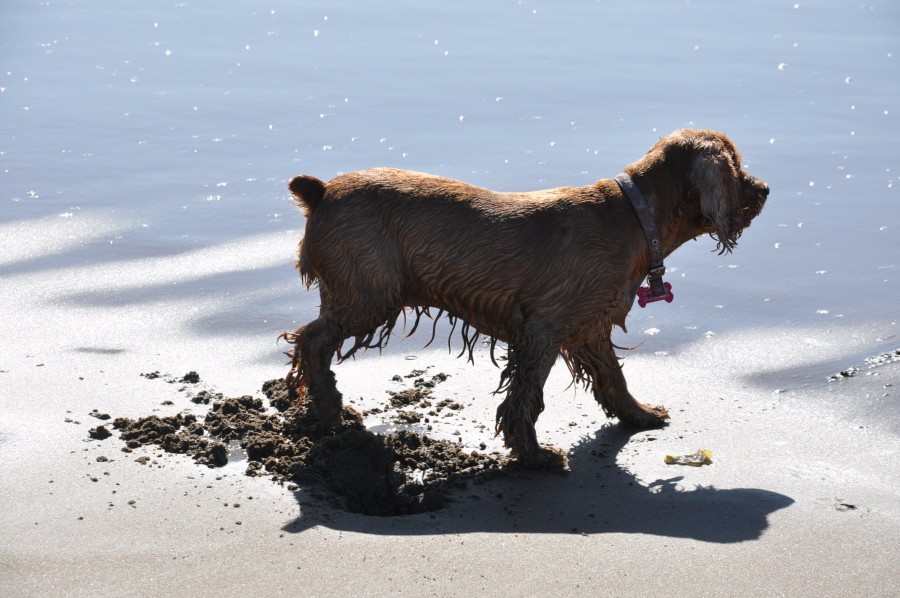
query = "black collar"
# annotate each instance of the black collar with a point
(658, 289)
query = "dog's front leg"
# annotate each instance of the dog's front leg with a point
(592, 361)
(531, 357)
(611, 391)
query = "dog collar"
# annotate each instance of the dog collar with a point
(658, 290)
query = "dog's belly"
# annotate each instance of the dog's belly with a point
(493, 319)
(498, 307)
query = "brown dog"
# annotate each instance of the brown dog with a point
(547, 272)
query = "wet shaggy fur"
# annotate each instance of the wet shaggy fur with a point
(546, 272)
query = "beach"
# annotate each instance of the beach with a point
(148, 234)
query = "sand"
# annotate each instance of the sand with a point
(796, 501)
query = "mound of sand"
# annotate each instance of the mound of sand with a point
(395, 474)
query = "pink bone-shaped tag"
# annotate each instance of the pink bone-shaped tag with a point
(645, 296)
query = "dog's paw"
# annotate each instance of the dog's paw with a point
(327, 414)
(545, 457)
(305, 419)
(649, 416)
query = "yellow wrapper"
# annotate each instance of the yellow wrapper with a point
(701, 457)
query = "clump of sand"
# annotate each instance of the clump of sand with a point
(395, 474)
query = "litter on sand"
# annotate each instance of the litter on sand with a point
(701, 457)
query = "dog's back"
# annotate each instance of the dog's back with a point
(392, 238)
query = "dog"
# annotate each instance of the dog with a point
(548, 273)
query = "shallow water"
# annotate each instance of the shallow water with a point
(145, 150)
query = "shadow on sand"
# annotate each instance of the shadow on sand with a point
(596, 496)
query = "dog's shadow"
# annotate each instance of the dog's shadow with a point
(595, 496)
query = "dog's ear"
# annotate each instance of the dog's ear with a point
(714, 178)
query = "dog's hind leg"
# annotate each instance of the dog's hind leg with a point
(314, 347)
(531, 357)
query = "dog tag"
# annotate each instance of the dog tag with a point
(645, 295)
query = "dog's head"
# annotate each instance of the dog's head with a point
(728, 198)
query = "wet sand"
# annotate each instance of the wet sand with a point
(800, 499)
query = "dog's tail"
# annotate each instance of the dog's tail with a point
(308, 191)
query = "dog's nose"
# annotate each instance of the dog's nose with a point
(765, 190)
